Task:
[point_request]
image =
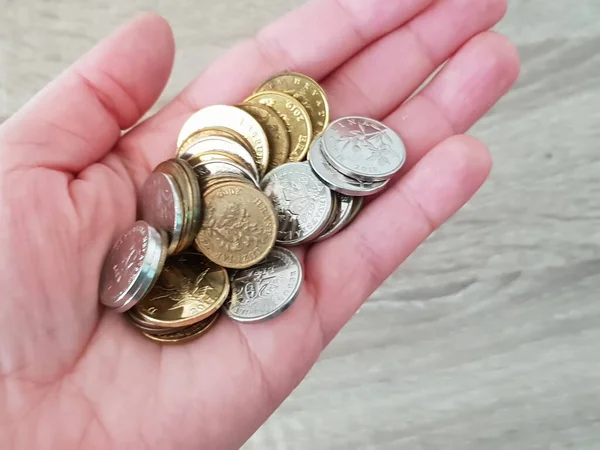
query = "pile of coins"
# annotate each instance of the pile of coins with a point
(215, 220)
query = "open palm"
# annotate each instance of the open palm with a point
(73, 375)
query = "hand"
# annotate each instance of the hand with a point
(76, 376)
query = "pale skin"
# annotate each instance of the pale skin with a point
(73, 375)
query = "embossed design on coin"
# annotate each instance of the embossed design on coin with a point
(363, 148)
(236, 119)
(123, 265)
(337, 181)
(239, 226)
(162, 206)
(307, 91)
(131, 267)
(302, 201)
(189, 289)
(276, 131)
(184, 334)
(295, 117)
(265, 290)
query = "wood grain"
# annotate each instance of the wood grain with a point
(486, 337)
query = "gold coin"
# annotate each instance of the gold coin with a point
(213, 132)
(295, 117)
(239, 226)
(307, 91)
(276, 131)
(210, 181)
(140, 324)
(217, 155)
(235, 119)
(189, 289)
(200, 144)
(184, 334)
(195, 205)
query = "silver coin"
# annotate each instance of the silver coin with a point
(342, 216)
(209, 169)
(130, 262)
(162, 206)
(363, 148)
(225, 145)
(303, 203)
(335, 180)
(356, 208)
(266, 290)
(150, 275)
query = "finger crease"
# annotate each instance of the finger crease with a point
(425, 49)
(441, 110)
(258, 367)
(107, 101)
(412, 199)
(367, 103)
(352, 21)
(273, 54)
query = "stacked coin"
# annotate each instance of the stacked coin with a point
(239, 185)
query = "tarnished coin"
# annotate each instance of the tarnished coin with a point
(307, 91)
(189, 289)
(194, 148)
(363, 148)
(295, 117)
(302, 201)
(132, 266)
(215, 132)
(162, 206)
(276, 131)
(335, 180)
(140, 324)
(212, 169)
(211, 181)
(239, 225)
(342, 216)
(185, 334)
(266, 290)
(235, 119)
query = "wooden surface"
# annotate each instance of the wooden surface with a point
(487, 338)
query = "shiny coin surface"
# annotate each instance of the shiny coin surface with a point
(189, 289)
(308, 92)
(356, 208)
(295, 117)
(139, 323)
(239, 226)
(195, 147)
(335, 180)
(276, 131)
(215, 132)
(342, 216)
(185, 334)
(235, 119)
(212, 181)
(363, 148)
(186, 179)
(302, 201)
(132, 266)
(266, 290)
(162, 206)
(212, 169)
